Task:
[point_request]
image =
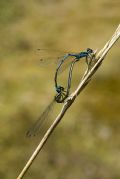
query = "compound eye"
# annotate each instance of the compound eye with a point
(58, 89)
(89, 50)
(62, 88)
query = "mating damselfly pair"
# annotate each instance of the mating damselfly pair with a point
(61, 92)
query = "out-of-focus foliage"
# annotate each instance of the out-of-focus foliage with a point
(87, 142)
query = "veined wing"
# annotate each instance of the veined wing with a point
(48, 60)
(65, 64)
(54, 61)
(35, 129)
(47, 57)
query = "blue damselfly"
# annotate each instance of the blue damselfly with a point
(61, 92)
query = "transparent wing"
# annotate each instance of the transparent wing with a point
(35, 129)
(47, 57)
(45, 60)
(66, 64)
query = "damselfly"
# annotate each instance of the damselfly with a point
(62, 94)
(47, 57)
(88, 54)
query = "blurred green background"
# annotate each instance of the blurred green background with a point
(87, 142)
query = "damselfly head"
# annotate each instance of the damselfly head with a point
(89, 50)
(59, 89)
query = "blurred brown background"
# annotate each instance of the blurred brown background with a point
(87, 142)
